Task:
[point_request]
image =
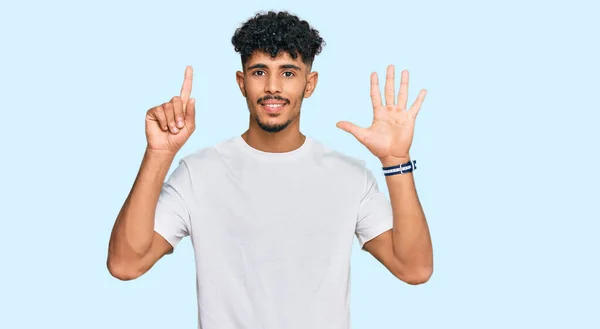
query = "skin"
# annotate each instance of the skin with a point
(405, 250)
(134, 247)
(285, 79)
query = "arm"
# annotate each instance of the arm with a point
(406, 250)
(134, 247)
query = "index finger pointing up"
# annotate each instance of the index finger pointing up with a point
(186, 88)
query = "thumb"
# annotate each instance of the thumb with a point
(356, 131)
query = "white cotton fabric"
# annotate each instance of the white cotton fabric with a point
(272, 232)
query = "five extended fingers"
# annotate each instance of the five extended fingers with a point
(389, 91)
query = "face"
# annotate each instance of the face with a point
(274, 89)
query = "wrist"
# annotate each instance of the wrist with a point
(159, 154)
(394, 161)
(155, 165)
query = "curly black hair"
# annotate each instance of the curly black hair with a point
(275, 32)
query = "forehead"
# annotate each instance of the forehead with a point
(260, 57)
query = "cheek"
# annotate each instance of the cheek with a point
(252, 89)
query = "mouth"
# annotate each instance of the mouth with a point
(272, 107)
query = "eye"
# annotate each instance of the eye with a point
(288, 74)
(257, 73)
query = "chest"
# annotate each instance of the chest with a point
(285, 204)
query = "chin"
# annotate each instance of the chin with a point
(273, 119)
(273, 126)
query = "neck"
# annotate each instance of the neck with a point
(286, 140)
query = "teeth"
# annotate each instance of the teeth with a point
(274, 105)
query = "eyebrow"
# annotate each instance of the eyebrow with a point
(284, 66)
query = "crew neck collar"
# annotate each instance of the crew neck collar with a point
(308, 142)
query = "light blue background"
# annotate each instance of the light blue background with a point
(506, 142)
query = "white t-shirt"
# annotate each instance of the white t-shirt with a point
(272, 232)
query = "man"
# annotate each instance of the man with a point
(272, 213)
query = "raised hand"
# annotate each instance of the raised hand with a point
(168, 126)
(390, 135)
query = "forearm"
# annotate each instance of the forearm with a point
(134, 227)
(411, 238)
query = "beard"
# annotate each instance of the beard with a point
(273, 128)
(277, 127)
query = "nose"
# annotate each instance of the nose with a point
(273, 84)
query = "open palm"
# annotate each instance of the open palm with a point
(391, 133)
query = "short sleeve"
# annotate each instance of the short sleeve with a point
(375, 212)
(172, 217)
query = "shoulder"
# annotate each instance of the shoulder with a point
(338, 160)
(208, 155)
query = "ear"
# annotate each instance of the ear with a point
(311, 84)
(239, 77)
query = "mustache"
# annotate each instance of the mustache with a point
(275, 97)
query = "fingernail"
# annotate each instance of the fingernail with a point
(180, 123)
(175, 130)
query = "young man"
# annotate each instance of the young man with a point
(272, 213)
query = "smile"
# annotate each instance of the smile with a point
(273, 108)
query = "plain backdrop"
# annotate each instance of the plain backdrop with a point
(506, 145)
